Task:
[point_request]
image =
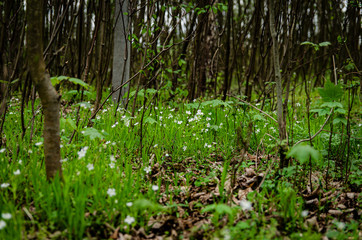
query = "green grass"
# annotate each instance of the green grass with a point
(115, 181)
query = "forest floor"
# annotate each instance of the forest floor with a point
(203, 172)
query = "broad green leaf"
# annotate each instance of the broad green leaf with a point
(54, 80)
(144, 204)
(258, 117)
(214, 127)
(84, 104)
(331, 92)
(340, 110)
(242, 225)
(192, 105)
(71, 123)
(150, 120)
(321, 112)
(92, 133)
(332, 105)
(307, 43)
(340, 120)
(218, 208)
(324, 44)
(151, 91)
(181, 62)
(71, 92)
(303, 152)
(78, 82)
(61, 78)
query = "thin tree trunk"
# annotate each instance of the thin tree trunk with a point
(278, 80)
(121, 50)
(227, 55)
(50, 99)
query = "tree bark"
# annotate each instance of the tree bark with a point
(50, 99)
(121, 50)
(278, 80)
(227, 50)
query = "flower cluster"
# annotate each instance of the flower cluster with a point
(82, 152)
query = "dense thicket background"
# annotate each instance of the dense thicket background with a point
(217, 46)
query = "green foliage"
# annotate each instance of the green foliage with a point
(76, 81)
(303, 153)
(331, 92)
(183, 144)
(92, 133)
(316, 46)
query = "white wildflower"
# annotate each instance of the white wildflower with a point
(147, 169)
(6, 216)
(2, 150)
(17, 172)
(2, 224)
(5, 185)
(90, 166)
(305, 213)
(38, 144)
(111, 192)
(155, 188)
(129, 220)
(184, 148)
(340, 225)
(245, 205)
(82, 152)
(188, 112)
(129, 204)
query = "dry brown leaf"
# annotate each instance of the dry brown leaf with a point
(115, 234)
(249, 172)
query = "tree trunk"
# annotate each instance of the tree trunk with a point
(227, 50)
(50, 99)
(278, 80)
(121, 50)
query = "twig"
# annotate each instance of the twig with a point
(254, 107)
(320, 130)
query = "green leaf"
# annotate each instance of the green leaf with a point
(219, 209)
(332, 105)
(151, 91)
(307, 43)
(54, 80)
(340, 110)
(303, 152)
(92, 133)
(214, 127)
(78, 82)
(150, 120)
(181, 62)
(331, 92)
(340, 120)
(258, 117)
(84, 104)
(71, 123)
(321, 112)
(192, 105)
(61, 78)
(144, 204)
(71, 92)
(324, 44)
